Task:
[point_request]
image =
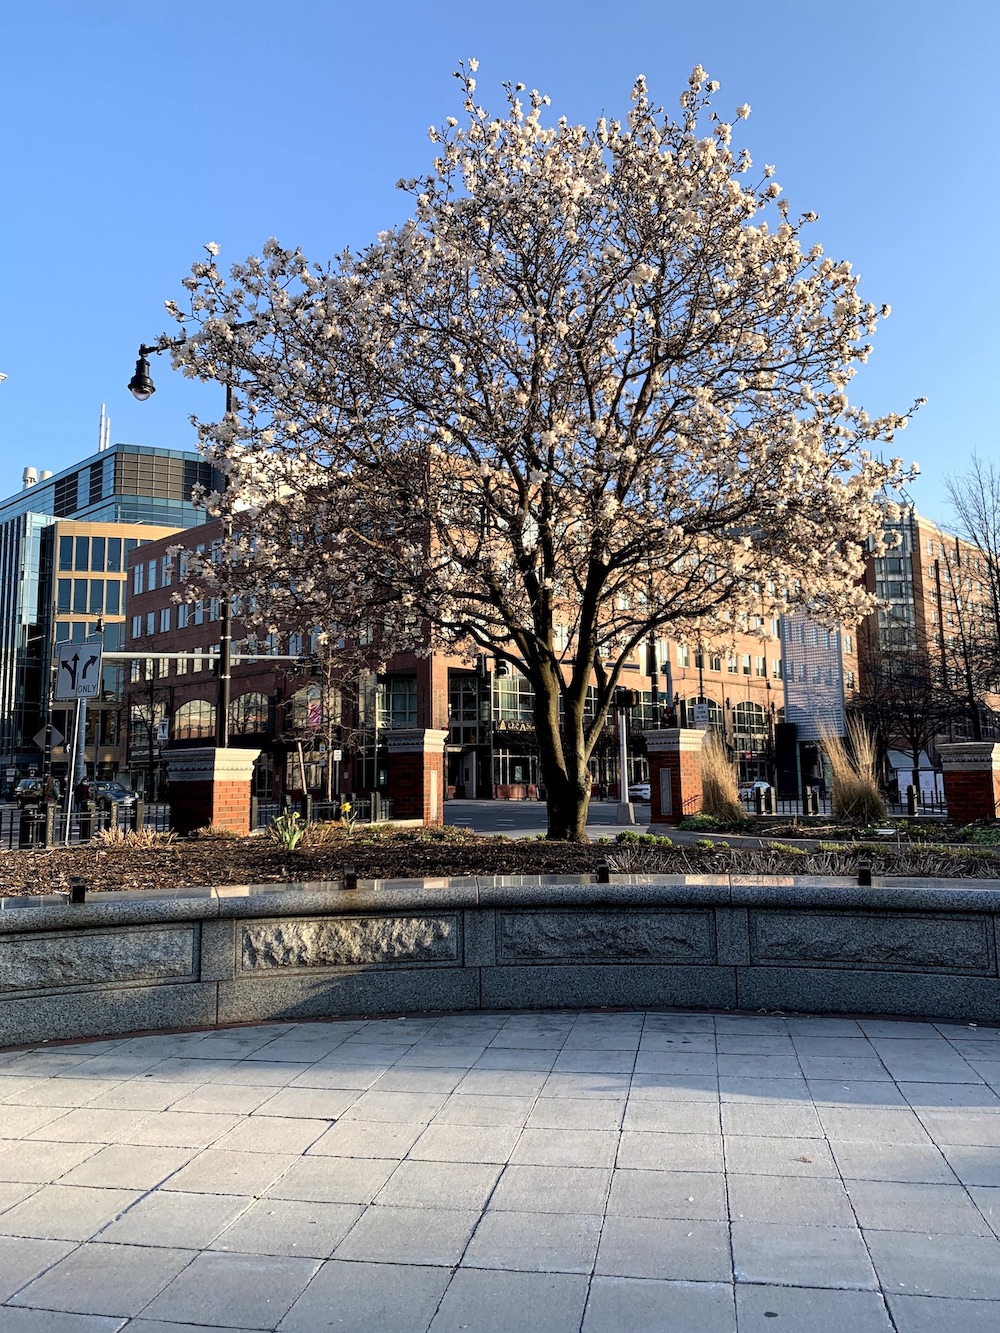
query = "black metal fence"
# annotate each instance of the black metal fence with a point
(914, 805)
(370, 809)
(48, 825)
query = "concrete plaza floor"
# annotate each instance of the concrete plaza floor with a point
(603, 1172)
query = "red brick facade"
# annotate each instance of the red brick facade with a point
(971, 780)
(209, 786)
(416, 774)
(674, 774)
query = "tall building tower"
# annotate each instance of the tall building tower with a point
(64, 542)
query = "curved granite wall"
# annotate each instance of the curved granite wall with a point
(129, 962)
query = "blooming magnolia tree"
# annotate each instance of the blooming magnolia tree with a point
(593, 389)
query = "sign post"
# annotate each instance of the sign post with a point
(78, 677)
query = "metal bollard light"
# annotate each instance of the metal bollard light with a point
(864, 874)
(350, 877)
(77, 890)
(603, 873)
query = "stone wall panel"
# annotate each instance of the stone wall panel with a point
(954, 943)
(348, 942)
(633, 936)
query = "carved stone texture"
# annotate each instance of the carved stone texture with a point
(611, 936)
(92, 958)
(349, 942)
(950, 943)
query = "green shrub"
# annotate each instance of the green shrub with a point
(984, 835)
(627, 835)
(699, 824)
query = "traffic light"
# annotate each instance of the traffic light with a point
(501, 668)
(626, 699)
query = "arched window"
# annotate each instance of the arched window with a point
(715, 714)
(194, 720)
(248, 715)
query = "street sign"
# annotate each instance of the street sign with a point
(163, 729)
(701, 718)
(54, 735)
(78, 670)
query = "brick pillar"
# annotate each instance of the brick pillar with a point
(209, 786)
(674, 773)
(416, 774)
(971, 780)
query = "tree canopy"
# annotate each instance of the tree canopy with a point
(593, 389)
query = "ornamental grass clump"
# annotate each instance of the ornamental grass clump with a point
(720, 796)
(855, 795)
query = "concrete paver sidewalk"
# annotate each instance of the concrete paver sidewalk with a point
(587, 1172)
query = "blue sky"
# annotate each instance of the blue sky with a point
(134, 134)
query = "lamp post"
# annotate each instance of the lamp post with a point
(142, 388)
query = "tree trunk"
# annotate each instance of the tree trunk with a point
(562, 757)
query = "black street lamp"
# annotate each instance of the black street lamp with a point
(141, 385)
(142, 388)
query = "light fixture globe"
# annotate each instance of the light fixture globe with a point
(141, 386)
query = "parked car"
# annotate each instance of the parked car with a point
(748, 788)
(105, 793)
(639, 791)
(31, 791)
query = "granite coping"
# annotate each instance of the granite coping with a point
(102, 909)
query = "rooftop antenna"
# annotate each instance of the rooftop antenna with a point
(104, 432)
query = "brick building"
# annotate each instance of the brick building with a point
(302, 723)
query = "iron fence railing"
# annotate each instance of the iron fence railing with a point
(48, 825)
(370, 809)
(913, 806)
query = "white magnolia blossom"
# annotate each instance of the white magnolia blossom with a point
(598, 379)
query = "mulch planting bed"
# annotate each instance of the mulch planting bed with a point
(258, 860)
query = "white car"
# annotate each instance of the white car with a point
(639, 791)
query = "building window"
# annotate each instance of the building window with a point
(745, 663)
(96, 596)
(183, 611)
(113, 563)
(97, 554)
(182, 666)
(65, 554)
(199, 612)
(165, 620)
(683, 655)
(81, 561)
(715, 662)
(848, 643)
(138, 581)
(113, 597)
(137, 627)
(194, 720)
(759, 666)
(64, 593)
(732, 665)
(150, 622)
(248, 715)
(80, 596)
(396, 702)
(213, 609)
(777, 671)
(166, 571)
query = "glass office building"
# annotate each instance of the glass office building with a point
(64, 540)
